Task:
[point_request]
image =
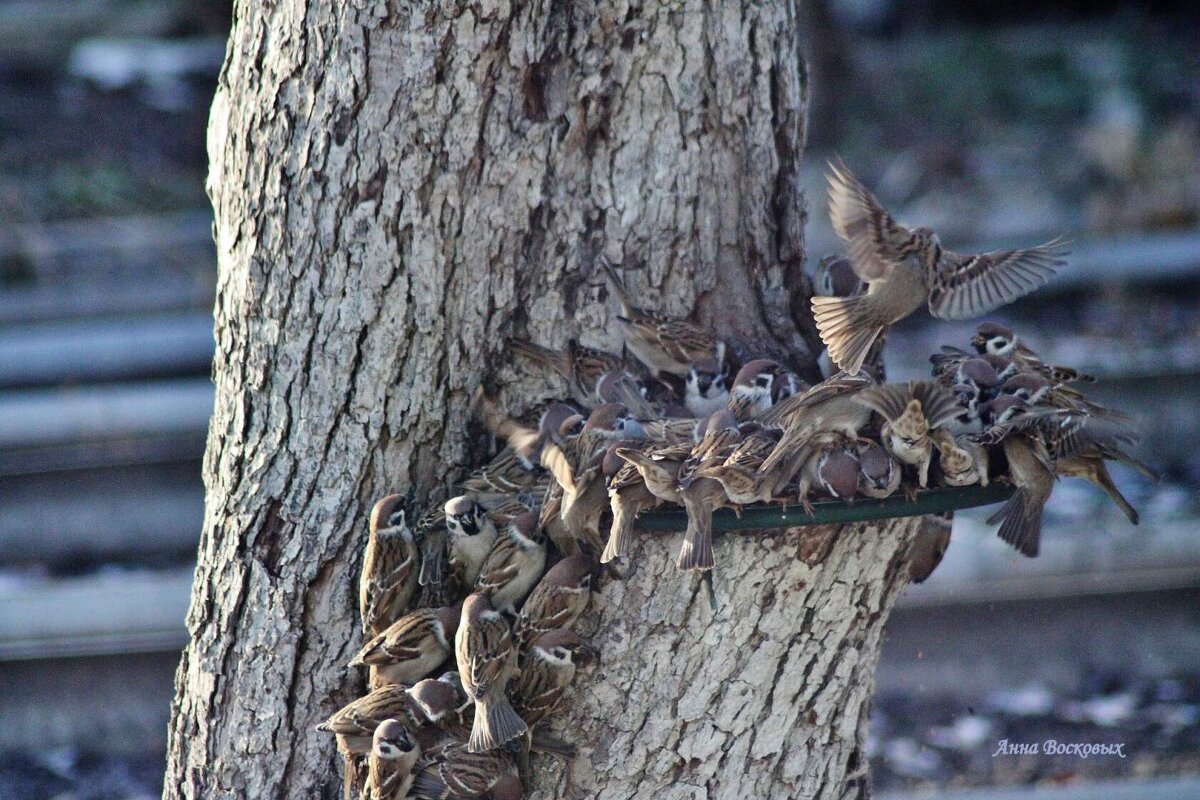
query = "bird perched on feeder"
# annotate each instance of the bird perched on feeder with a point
(557, 601)
(390, 767)
(390, 566)
(628, 496)
(487, 661)
(879, 472)
(664, 344)
(701, 495)
(471, 535)
(912, 412)
(961, 460)
(904, 268)
(831, 467)
(411, 647)
(514, 563)
(739, 474)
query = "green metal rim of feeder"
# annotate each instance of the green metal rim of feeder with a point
(834, 512)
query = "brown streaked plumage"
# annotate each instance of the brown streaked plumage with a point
(702, 495)
(546, 672)
(452, 771)
(910, 412)
(905, 268)
(514, 563)
(557, 601)
(410, 648)
(581, 366)
(390, 566)
(390, 766)
(487, 661)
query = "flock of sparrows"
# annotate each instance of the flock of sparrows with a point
(685, 422)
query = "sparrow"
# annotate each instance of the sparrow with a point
(674, 430)
(471, 535)
(582, 367)
(658, 463)
(828, 407)
(557, 601)
(835, 277)
(754, 388)
(508, 471)
(1030, 471)
(390, 767)
(878, 471)
(927, 549)
(628, 497)
(624, 388)
(831, 467)
(546, 672)
(961, 460)
(514, 563)
(701, 495)
(663, 344)
(911, 411)
(904, 268)
(996, 339)
(390, 567)
(739, 474)
(704, 390)
(487, 661)
(453, 771)
(429, 533)
(419, 709)
(953, 367)
(411, 647)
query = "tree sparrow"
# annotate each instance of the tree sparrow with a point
(558, 599)
(906, 267)
(411, 648)
(390, 567)
(996, 339)
(878, 472)
(453, 772)
(582, 367)
(911, 412)
(390, 767)
(546, 672)
(661, 343)
(961, 461)
(831, 468)
(702, 495)
(740, 474)
(487, 661)
(705, 391)
(514, 563)
(471, 536)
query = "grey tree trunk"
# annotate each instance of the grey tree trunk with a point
(399, 186)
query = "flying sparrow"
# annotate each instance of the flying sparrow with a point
(514, 563)
(452, 771)
(996, 339)
(661, 343)
(705, 391)
(906, 267)
(582, 367)
(911, 411)
(929, 546)
(390, 567)
(879, 472)
(557, 601)
(471, 535)
(546, 672)
(411, 647)
(702, 495)
(393, 756)
(487, 661)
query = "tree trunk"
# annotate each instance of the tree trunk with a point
(398, 187)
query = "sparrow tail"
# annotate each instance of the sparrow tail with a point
(544, 742)
(847, 328)
(697, 551)
(618, 287)
(495, 723)
(433, 558)
(1020, 523)
(620, 533)
(542, 355)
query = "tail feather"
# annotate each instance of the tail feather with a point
(1020, 523)
(433, 557)
(555, 360)
(620, 532)
(846, 328)
(495, 724)
(697, 551)
(618, 287)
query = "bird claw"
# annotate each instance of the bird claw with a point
(910, 492)
(807, 505)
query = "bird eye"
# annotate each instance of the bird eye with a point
(762, 381)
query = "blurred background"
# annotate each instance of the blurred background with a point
(996, 124)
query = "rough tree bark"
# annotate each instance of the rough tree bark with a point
(399, 186)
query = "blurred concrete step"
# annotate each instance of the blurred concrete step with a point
(1181, 788)
(124, 348)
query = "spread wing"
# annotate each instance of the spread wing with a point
(876, 242)
(965, 286)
